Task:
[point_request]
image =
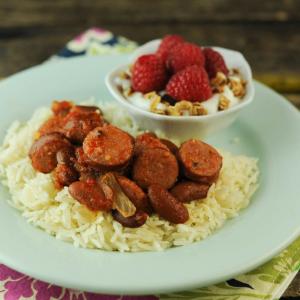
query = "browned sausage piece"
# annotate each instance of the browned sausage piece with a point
(200, 161)
(137, 220)
(66, 156)
(155, 166)
(86, 168)
(108, 146)
(86, 109)
(135, 194)
(64, 175)
(61, 108)
(187, 191)
(171, 146)
(79, 122)
(147, 140)
(90, 194)
(54, 124)
(166, 205)
(43, 151)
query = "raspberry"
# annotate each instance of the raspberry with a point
(184, 55)
(167, 43)
(214, 62)
(191, 84)
(148, 74)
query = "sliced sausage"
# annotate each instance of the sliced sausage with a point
(83, 160)
(171, 146)
(79, 122)
(61, 108)
(147, 140)
(109, 146)
(135, 194)
(66, 156)
(187, 191)
(200, 161)
(86, 109)
(155, 166)
(90, 194)
(166, 205)
(86, 168)
(44, 150)
(137, 220)
(54, 124)
(64, 175)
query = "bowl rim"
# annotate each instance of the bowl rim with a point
(113, 89)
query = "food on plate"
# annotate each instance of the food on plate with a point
(89, 194)
(200, 162)
(187, 191)
(181, 79)
(108, 146)
(44, 150)
(115, 187)
(155, 166)
(166, 205)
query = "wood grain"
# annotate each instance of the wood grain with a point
(265, 58)
(32, 13)
(267, 32)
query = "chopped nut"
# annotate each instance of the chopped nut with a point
(155, 100)
(128, 92)
(150, 95)
(184, 107)
(237, 86)
(124, 75)
(172, 111)
(218, 82)
(198, 110)
(223, 103)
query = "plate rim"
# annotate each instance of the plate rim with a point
(142, 290)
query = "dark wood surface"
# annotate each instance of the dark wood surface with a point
(267, 32)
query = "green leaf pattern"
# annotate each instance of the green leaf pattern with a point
(265, 280)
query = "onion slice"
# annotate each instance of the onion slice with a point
(112, 189)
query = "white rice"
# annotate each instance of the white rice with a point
(60, 215)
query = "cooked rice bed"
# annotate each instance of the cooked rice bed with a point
(60, 215)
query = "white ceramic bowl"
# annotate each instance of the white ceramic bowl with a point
(184, 127)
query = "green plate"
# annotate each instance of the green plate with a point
(268, 129)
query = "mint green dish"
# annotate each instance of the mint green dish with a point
(268, 129)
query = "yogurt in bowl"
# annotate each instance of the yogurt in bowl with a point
(186, 119)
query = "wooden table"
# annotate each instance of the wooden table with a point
(267, 32)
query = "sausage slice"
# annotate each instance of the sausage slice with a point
(200, 161)
(167, 206)
(54, 124)
(90, 194)
(64, 175)
(155, 166)
(108, 146)
(135, 194)
(80, 121)
(44, 150)
(187, 191)
(147, 140)
(61, 108)
(137, 220)
(171, 146)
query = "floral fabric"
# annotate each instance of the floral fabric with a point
(267, 282)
